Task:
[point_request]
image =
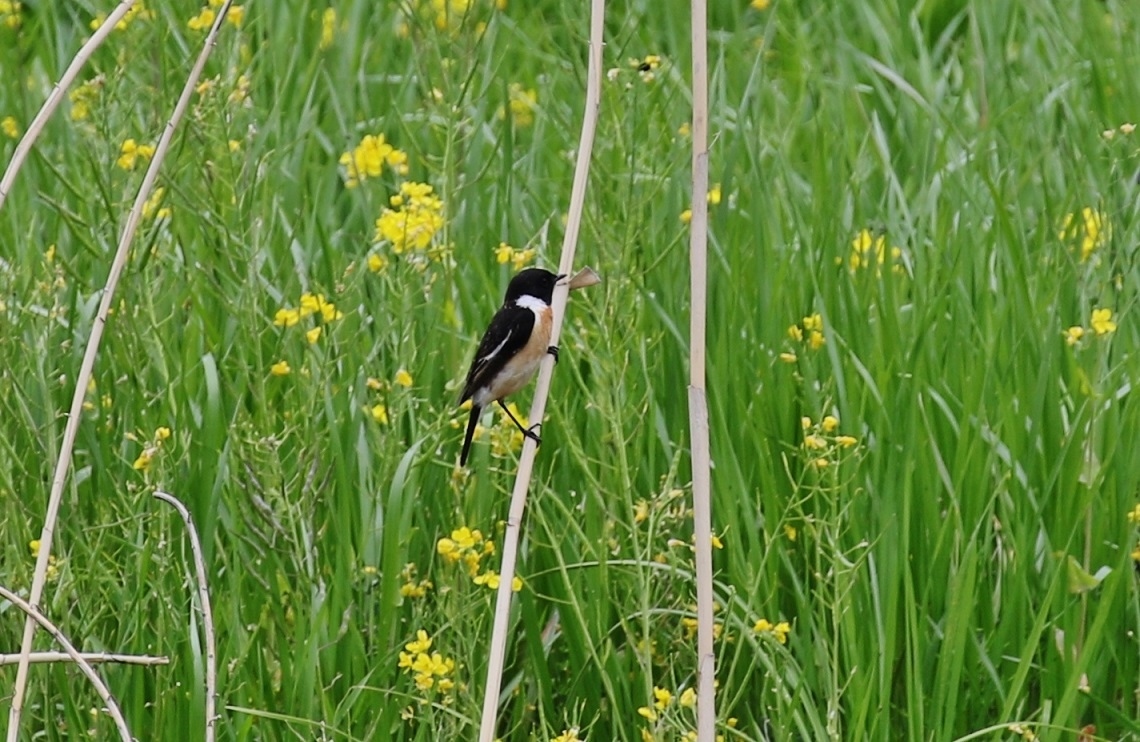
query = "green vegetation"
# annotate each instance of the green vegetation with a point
(921, 412)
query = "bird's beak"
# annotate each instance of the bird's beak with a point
(560, 277)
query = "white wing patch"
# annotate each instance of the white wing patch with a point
(498, 347)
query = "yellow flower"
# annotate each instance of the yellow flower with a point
(151, 205)
(778, 631)
(82, 97)
(641, 511)
(10, 14)
(813, 322)
(142, 463)
(241, 89)
(716, 542)
(1074, 334)
(368, 159)
(10, 128)
(413, 223)
(236, 15)
(1134, 515)
(714, 194)
(521, 104)
(688, 698)
(522, 258)
(647, 68)
(687, 216)
(846, 441)
(815, 442)
(286, 317)
(816, 340)
(377, 263)
(684, 130)
(328, 28)
(569, 735)
(648, 713)
(161, 434)
(403, 378)
(662, 697)
(795, 333)
(791, 532)
(1091, 227)
(380, 414)
(829, 424)
(805, 422)
(234, 145)
(314, 334)
(504, 253)
(281, 368)
(203, 20)
(788, 357)
(132, 152)
(421, 644)
(760, 4)
(867, 249)
(1101, 322)
(34, 547)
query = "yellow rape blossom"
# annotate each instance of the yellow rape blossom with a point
(328, 28)
(10, 14)
(415, 216)
(778, 631)
(521, 104)
(369, 158)
(403, 378)
(281, 368)
(131, 153)
(1101, 322)
(1090, 229)
(10, 128)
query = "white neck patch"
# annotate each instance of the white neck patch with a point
(533, 303)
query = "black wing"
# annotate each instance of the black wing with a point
(508, 334)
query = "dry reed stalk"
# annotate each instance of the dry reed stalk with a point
(92, 658)
(698, 402)
(56, 97)
(39, 578)
(207, 613)
(542, 388)
(101, 688)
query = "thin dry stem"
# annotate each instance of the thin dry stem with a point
(93, 658)
(542, 388)
(63, 463)
(100, 687)
(56, 97)
(698, 402)
(207, 613)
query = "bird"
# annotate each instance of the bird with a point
(512, 348)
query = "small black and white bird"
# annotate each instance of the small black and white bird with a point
(512, 348)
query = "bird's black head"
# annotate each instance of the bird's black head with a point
(536, 282)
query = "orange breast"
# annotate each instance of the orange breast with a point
(521, 368)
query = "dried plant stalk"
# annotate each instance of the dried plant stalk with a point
(56, 97)
(92, 658)
(100, 687)
(63, 463)
(542, 387)
(698, 403)
(207, 613)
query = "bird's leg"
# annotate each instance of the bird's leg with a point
(528, 432)
(553, 350)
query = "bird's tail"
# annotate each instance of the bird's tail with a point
(471, 423)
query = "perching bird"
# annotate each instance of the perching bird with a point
(513, 346)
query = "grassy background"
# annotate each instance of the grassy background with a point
(966, 565)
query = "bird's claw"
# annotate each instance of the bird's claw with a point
(553, 350)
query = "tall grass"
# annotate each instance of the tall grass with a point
(966, 565)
